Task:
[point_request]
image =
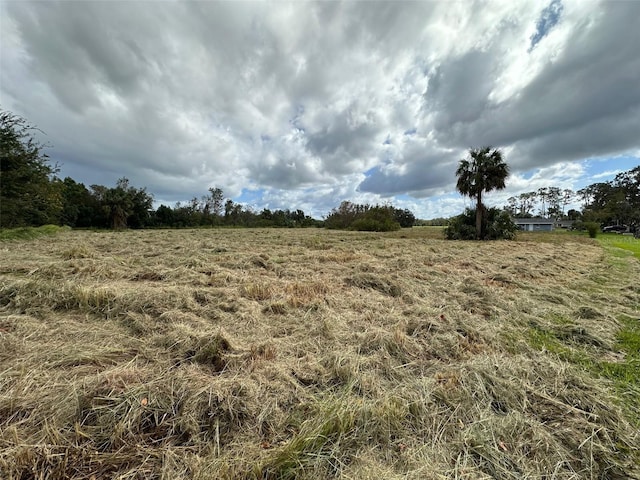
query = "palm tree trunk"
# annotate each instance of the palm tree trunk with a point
(479, 217)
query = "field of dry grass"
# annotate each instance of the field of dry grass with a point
(268, 354)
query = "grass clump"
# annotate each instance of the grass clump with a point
(335, 430)
(210, 351)
(375, 282)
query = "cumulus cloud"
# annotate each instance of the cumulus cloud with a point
(317, 102)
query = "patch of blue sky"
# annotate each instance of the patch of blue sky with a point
(403, 197)
(411, 131)
(528, 175)
(371, 171)
(605, 169)
(549, 17)
(249, 196)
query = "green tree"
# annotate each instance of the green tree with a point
(377, 219)
(27, 194)
(484, 171)
(217, 201)
(79, 207)
(405, 217)
(343, 216)
(123, 206)
(164, 216)
(629, 183)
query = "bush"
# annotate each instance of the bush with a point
(375, 225)
(462, 227)
(592, 229)
(499, 226)
(376, 219)
(352, 216)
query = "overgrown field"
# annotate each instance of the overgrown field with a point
(268, 354)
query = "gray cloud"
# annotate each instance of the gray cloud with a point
(459, 89)
(589, 89)
(310, 101)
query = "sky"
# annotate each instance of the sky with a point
(302, 105)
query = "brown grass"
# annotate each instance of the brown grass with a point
(264, 354)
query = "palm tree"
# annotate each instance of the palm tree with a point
(483, 172)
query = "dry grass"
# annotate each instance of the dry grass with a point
(263, 354)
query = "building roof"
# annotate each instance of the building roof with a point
(533, 221)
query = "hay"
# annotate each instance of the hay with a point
(315, 354)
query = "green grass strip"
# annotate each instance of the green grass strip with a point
(29, 233)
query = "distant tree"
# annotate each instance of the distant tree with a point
(512, 206)
(141, 204)
(484, 171)
(79, 207)
(434, 222)
(164, 217)
(343, 216)
(404, 217)
(377, 219)
(542, 194)
(527, 202)
(212, 207)
(123, 206)
(585, 194)
(554, 199)
(27, 194)
(232, 213)
(217, 201)
(629, 183)
(613, 202)
(574, 214)
(567, 197)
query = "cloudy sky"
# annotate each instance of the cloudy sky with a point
(306, 104)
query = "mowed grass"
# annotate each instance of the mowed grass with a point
(623, 242)
(268, 354)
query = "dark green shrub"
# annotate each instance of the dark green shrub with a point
(405, 217)
(462, 227)
(352, 216)
(499, 226)
(375, 225)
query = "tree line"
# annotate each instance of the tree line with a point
(365, 217)
(616, 202)
(31, 194)
(544, 202)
